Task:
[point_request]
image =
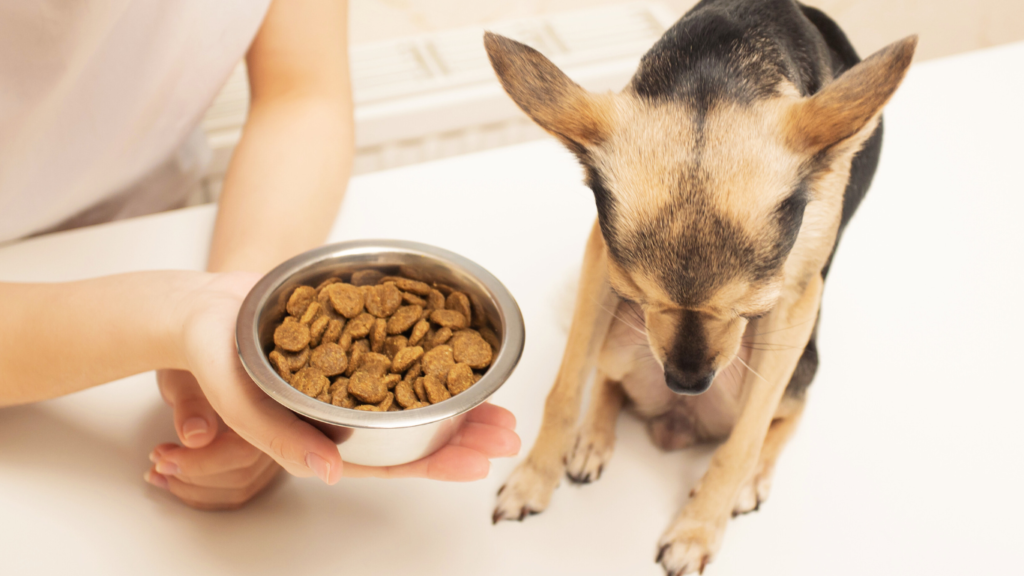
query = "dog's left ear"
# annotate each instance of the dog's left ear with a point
(845, 106)
(576, 117)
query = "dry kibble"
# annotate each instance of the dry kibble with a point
(438, 361)
(310, 381)
(435, 388)
(292, 336)
(329, 358)
(406, 358)
(394, 344)
(469, 347)
(311, 313)
(334, 329)
(460, 378)
(366, 277)
(383, 300)
(440, 337)
(390, 343)
(418, 332)
(404, 318)
(374, 363)
(367, 387)
(459, 302)
(346, 299)
(449, 319)
(377, 334)
(435, 300)
(404, 394)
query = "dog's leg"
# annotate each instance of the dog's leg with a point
(596, 439)
(528, 489)
(692, 540)
(756, 488)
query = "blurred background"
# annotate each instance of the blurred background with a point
(424, 90)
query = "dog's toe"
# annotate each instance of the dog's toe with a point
(688, 547)
(527, 492)
(586, 461)
(753, 493)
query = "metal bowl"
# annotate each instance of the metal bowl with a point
(378, 438)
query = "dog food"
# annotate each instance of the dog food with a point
(381, 343)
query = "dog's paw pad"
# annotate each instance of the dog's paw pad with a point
(753, 493)
(688, 550)
(527, 492)
(586, 461)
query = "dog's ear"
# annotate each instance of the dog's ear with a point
(845, 106)
(556, 103)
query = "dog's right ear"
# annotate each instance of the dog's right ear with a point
(576, 117)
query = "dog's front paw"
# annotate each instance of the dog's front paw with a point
(585, 462)
(688, 546)
(753, 493)
(527, 491)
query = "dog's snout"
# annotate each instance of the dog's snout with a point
(687, 382)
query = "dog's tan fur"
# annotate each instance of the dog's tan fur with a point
(640, 148)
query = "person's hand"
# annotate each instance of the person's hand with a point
(253, 418)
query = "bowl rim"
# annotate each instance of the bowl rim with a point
(258, 366)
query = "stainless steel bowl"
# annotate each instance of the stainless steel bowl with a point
(378, 438)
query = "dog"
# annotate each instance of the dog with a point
(724, 175)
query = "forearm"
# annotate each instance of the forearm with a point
(285, 183)
(56, 339)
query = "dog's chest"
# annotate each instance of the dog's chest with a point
(626, 357)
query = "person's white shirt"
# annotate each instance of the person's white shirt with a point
(100, 102)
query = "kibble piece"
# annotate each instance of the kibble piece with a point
(440, 337)
(383, 300)
(310, 381)
(332, 280)
(377, 334)
(324, 397)
(436, 390)
(326, 308)
(374, 363)
(490, 337)
(443, 288)
(346, 299)
(414, 286)
(339, 387)
(406, 358)
(359, 327)
(367, 388)
(469, 347)
(460, 378)
(449, 319)
(419, 390)
(404, 394)
(300, 299)
(333, 331)
(418, 332)
(316, 330)
(292, 336)
(392, 380)
(280, 363)
(366, 277)
(311, 313)
(329, 358)
(435, 300)
(394, 344)
(295, 360)
(438, 361)
(410, 298)
(459, 302)
(404, 318)
(414, 372)
(387, 402)
(419, 405)
(355, 355)
(368, 408)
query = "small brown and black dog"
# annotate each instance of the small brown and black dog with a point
(724, 174)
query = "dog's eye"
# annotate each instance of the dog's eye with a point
(752, 316)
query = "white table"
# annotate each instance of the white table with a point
(909, 460)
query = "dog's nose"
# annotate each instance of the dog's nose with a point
(686, 382)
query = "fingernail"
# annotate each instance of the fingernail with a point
(167, 468)
(319, 466)
(153, 457)
(155, 479)
(193, 426)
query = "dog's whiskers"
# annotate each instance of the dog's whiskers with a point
(740, 358)
(621, 319)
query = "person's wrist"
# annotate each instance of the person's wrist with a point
(184, 300)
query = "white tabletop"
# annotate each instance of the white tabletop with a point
(909, 460)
